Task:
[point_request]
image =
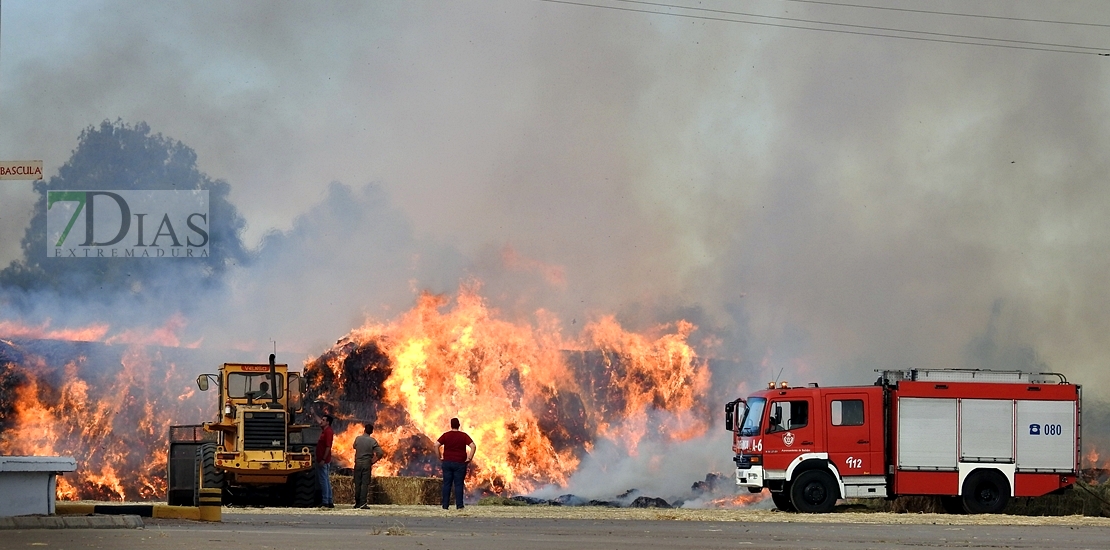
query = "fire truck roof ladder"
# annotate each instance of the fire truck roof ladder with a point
(972, 375)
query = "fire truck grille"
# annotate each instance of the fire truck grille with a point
(264, 431)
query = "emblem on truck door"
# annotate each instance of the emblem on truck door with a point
(788, 439)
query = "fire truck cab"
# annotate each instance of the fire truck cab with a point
(973, 437)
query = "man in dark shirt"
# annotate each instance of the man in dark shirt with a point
(456, 450)
(323, 461)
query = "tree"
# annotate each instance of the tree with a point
(118, 156)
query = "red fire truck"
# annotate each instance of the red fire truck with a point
(973, 437)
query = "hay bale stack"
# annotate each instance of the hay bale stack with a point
(406, 490)
(342, 489)
(389, 490)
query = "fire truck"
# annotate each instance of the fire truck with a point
(974, 438)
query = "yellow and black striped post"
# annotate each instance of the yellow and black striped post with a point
(210, 503)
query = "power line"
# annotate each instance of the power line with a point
(1013, 44)
(953, 14)
(868, 27)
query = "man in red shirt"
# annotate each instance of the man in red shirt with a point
(323, 461)
(456, 450)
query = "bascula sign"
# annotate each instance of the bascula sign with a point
(20, 169)
(127, 224)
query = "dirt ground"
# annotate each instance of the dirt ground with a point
(683, 514)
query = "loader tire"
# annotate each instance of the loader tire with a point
(304, 489)
(814, 492)
(209, 476)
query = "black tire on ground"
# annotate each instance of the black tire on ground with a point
(952, 505)
(986, 492)
(209, 475)
(782, 501)
(304, 489)
(814, 492)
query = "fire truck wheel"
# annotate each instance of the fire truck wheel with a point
(814, 492)
(782, 501)
(210, 476)
(986, 492)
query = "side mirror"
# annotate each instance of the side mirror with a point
(730, 407)
(202, 382)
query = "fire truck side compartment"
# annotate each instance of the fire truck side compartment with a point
(987, 430)
(1053, 448)
(926, 434)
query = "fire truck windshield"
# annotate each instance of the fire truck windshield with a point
(750, 425)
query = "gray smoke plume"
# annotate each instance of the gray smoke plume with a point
(820, 204)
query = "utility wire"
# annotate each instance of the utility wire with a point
(953, 14)
(854, 26)
(1032, 45)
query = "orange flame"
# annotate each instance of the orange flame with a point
(739, 500)
(91, 333)
(531, 413)
(112, 420)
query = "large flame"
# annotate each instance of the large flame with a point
(533, 400)
(112, 418)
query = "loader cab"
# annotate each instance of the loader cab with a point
(254, 385)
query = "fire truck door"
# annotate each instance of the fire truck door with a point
(848, 429)
(789, 432)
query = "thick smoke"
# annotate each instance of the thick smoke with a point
(821, 205)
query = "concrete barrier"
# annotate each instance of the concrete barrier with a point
(29, 483)
(211, 512)
(211, 505)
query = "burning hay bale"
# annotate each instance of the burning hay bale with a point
(568, 500)
(559, 401)
(500, 501)
(628, 499)
(530, 501)
(649, 502)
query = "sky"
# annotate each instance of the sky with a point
(822, 204)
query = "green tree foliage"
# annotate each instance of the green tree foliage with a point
(118, 156)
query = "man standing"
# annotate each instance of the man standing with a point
(456, 450)
(323, 461)
(367, 452)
